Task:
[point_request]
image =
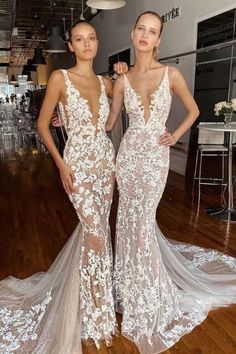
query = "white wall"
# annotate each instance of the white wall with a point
(179, 35)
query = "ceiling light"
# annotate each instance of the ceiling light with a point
(71, 16)
(106, 4)
(25, 70)
(13, 80)
(38, 57)
(29, 79)
(55, 43)
(82, 12)
(30, 65)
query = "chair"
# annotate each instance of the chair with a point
(210, 144)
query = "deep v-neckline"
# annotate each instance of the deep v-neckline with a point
(139, 97)
(86, 101)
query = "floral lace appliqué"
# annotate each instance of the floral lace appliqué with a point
(24, 323)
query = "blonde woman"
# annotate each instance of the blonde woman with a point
(164, 289)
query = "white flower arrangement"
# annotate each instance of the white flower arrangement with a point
(225, 107)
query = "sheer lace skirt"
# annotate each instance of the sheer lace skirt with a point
(92, 200)
(163, 288)
(50, 313)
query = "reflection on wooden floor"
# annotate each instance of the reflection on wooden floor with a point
(37, 218)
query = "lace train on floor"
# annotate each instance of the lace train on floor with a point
(191, 282)
(41, 313)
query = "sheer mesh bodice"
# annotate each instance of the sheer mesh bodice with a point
(51, 312)
(162, 288)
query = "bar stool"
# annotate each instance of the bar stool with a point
(210, 144)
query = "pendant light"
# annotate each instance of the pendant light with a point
(29, 79)
(25, 70)
(55, 43)
(106, 4)
(38, 57)
(82, 12)
(13, 80)
(30, 65)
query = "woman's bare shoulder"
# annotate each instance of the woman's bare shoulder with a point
(56, 80)
(173, 71)
(57, 75)
(107, 81)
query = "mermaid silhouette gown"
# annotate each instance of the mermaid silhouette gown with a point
(49, 313)
(163, 288)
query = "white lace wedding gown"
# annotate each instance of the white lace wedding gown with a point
(163, 288)
(49, 313)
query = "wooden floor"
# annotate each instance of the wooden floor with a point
(36, 219)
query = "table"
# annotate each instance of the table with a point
(227, 213)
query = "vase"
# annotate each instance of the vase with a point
(228, 118)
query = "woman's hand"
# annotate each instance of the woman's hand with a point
(55, 120)
(108, 127)
(167, 139)
(67, 178)
(121, 67)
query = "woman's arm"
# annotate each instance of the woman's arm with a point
(178, 87)
(108, 86)
(52, 96)
(117, 102)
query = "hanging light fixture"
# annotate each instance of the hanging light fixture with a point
(55, 43)
(30, 65)
(13, 80)
(25, 70)
(71, 16)
(38, 57)
(106, 4)
(29, 79)
(82, 12)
